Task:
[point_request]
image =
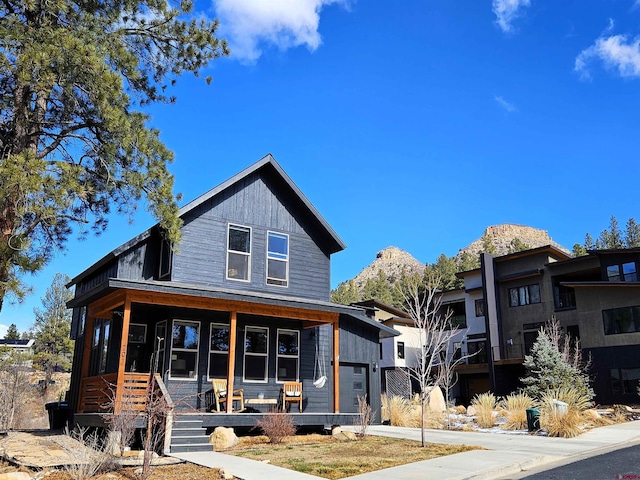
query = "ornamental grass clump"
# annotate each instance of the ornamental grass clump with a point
(485, 404)
(399, 411)
(559, 421)
(516, 406)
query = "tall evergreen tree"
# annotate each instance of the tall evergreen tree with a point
(611, 237)
(378, 288)
(444, 270)
(632, 239)
(518, 245)
(345, 293)
(52, 346)
(487, 244)
(12, 333)
(75, 77)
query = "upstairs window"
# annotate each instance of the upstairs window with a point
(166, 259)
(626, 272)
(400, 350)
(277, 259)
(239, 253)
(479, 307)
(524, 295)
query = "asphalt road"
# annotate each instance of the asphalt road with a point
(623, 464)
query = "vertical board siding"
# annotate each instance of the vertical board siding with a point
(254, 202)
(359, 344)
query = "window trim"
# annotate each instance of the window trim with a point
(252, 354)
(619, 270)
(222, 352)
(279, 355)
(635, 320)
(237, 252)
(187, 350)
(478, 302)
(399, 348)
(285, 260)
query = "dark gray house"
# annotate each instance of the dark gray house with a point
(244, 298)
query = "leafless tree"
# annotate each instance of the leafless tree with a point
(423, 301)
(450, 358)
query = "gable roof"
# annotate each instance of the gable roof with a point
(333, 241)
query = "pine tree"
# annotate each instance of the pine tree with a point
(632, 239)
(445, 270)
(50, 331)
(554, 362)
(487, 244)
(518, 245)
(378, 288)
(578, 250)
(12, 333)
(345, 293)
(76, 78)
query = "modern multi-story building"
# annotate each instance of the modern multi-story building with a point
(596, 298)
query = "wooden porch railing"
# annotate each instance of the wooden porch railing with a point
(98, 394)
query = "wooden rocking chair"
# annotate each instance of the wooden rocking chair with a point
(292, 393)
(221, 396)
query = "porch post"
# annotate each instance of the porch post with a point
(122, 359)
(231, 361)
(336, 365)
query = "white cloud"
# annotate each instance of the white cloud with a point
(508, 106)
(616, 52)
(506, 12)
(249, 25)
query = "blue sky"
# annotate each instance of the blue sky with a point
(414, 123)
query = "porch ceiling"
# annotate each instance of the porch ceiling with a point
(113, 292)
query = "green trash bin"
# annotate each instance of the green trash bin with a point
(533, 419)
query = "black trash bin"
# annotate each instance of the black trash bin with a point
(533, 419)
(58, 414)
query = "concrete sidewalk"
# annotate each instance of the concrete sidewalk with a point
(506, 454)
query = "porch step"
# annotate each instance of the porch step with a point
(188, 435)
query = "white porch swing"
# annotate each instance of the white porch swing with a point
(320, 370)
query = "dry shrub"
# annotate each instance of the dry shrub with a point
(364, 415)
(484, 404)
(432, 419)
(277, 426)
(88, 459)
(558, 423)
(516, 406)
(400, 412)
(461, 409)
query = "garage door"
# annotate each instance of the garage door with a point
(354, 382)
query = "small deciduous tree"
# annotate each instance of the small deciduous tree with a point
(423, 302)
(14, 387)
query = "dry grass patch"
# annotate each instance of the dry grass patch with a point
(182, 471)
(326, 457)
(516, 406)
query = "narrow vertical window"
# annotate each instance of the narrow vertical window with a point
(239, 253)
(218, 351)
(159, 347)
(277, 259)
(401, 350)
(166, 259)
(185, 337)
(256, 354)
(288, 355)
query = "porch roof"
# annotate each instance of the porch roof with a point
(183, 289)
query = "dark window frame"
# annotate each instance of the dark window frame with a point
(400, 351)
(613, 319)
(525, 295)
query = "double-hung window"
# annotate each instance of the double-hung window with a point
(184, 349)
(218, 350)
(256, 354)
(288, 355)
(239, 253)
(277, 259)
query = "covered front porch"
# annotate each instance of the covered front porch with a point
(190, 336)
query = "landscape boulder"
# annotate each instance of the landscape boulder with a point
(223, 438)
(345, 436)
(471, 411)
(436, 400)
(15, 476)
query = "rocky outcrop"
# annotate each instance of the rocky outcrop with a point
(392, 261)
(502, 236)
